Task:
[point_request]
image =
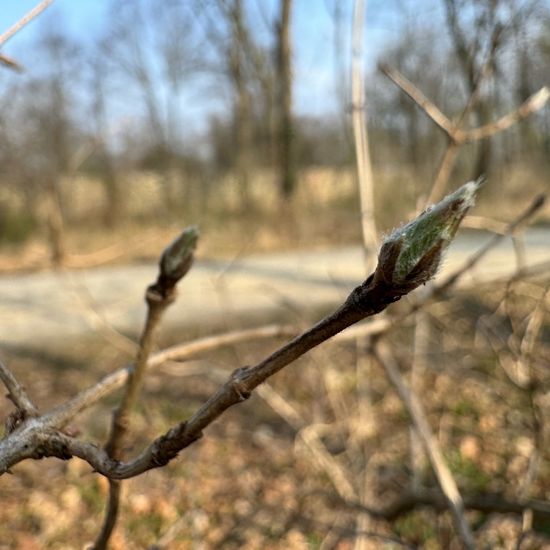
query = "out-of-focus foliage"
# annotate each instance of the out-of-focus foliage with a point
(187, 94)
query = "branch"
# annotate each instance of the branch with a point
(34, 441)
(532, 209)
(64, 413)
(364, 165)
(10, 63)
(379, 327)
(485, 224)
(17, 394)
(14, 29)
(371, 297)
(422, 101)
(453, 147)
(174, 264)
(489, 503)
(416, 411)
(533, 104)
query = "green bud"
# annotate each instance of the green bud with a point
(177, 257)
(411, 254)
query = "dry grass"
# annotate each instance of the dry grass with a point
(324, 212)
(251, 483)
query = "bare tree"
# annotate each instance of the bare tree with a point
(488, 26)
(236, 52)
(154, 53)
(114, 203)
(286, 157)
(51, 129)
(362, 152)
(242, 109)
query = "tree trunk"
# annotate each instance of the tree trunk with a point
(241, 108)
(114, 210)
(286, 156)
(55, 225)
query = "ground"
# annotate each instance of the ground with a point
(253, 482)
(292, 467)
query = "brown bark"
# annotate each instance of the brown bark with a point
(286, 155)
(241, 108)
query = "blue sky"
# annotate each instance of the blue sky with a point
(312, 36)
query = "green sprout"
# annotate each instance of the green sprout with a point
(411, 254)
(177, 258)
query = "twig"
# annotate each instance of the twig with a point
(420, 421)
(96, 320)
(64, 413)
(338, 475)
(527, 349)
(451, 154)
(369, 298)
(368, 224)
(308, 434)
(456, 135)
(444, 171)
(17, 393)
(429, 108)
(532, 209)
(175, 262)
(364, 168)
(486, 224)
(489, 503)
(418, 368)
(10, 63)
(530, 106)
(382, 326)
(14, 29)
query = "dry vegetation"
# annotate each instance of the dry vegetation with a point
(253, 483)
(323, 213)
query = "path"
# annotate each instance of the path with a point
(43, 307)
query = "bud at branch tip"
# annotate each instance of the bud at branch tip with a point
(411, 254)
(177, 257)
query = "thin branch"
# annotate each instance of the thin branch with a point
(418, 416)
(431, 110)
(17, 393)
(396, 274)
(489, 503)
(364, 167)
(444, 171)
(382, 326)
(174, 264)
(485, 224)
(453, 147)
(532, 209)
(66, 412)
(10, 63)
(336, 473)
(456, 135)
(365, 300)
(420, 353)
(26, 19)
(533, 104)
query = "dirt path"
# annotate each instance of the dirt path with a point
(42, 307)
